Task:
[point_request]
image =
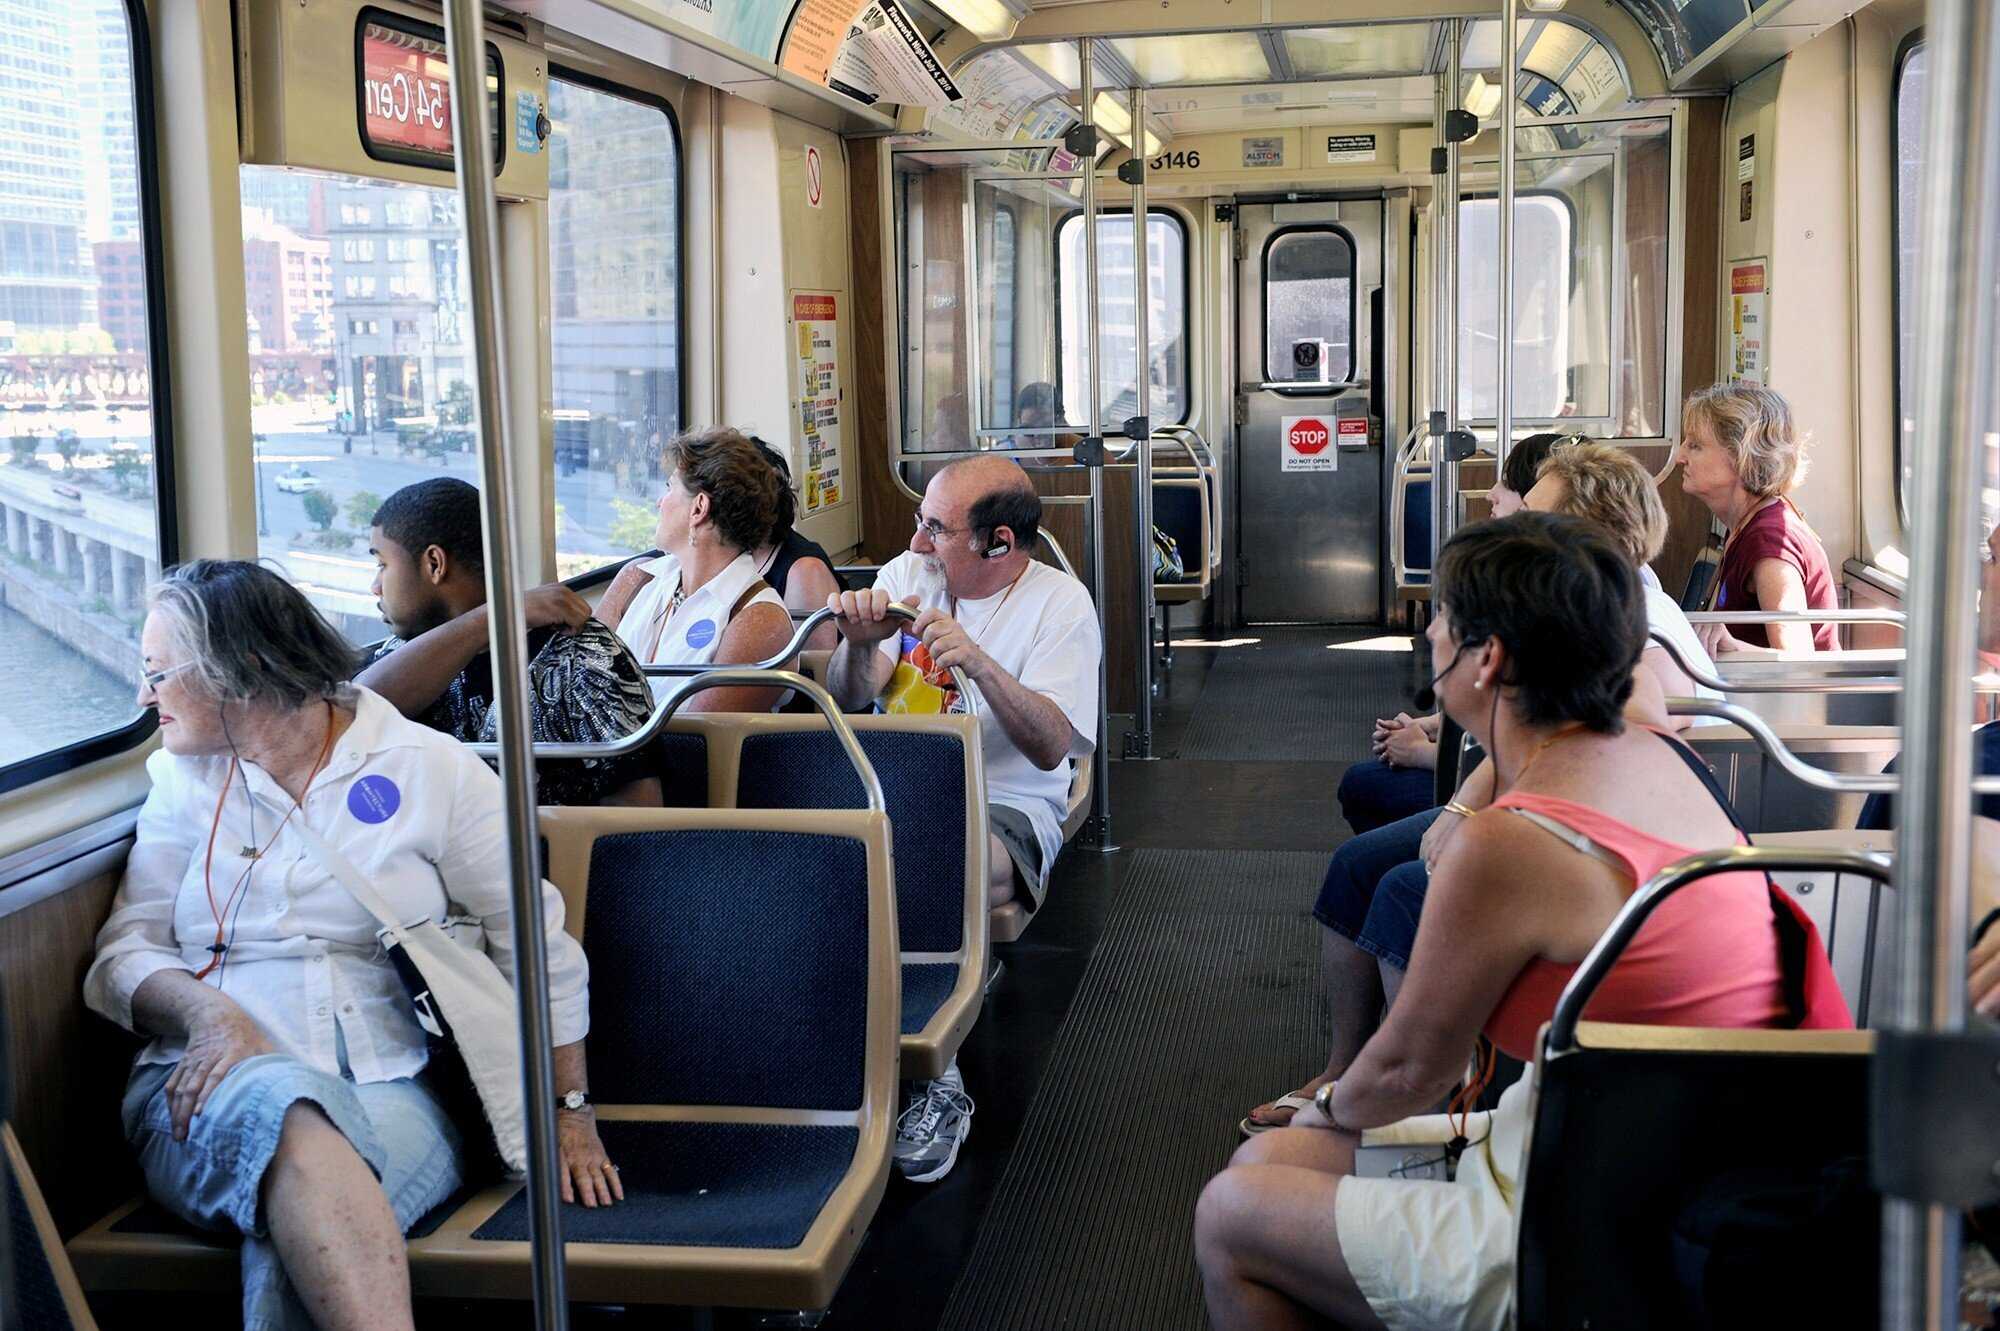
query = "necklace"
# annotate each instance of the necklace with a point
(951, 606)
(1535, 754)
(252, 853)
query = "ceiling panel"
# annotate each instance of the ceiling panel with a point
(1358, 51)
(1210, 57)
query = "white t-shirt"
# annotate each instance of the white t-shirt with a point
(1664, 615)
(1043, 632)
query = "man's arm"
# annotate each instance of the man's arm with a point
(859, 669)
(1034, 722)
(416, 674)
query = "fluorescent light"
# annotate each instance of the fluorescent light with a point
(1483, 98)
(1110, 115)
(1153, 144)
(1544, 6)
(988, 20)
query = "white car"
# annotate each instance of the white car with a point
(297, 481)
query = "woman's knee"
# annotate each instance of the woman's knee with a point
(1219, 1216)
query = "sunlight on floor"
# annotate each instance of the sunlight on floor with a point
(1392, 643)
(1215, 642)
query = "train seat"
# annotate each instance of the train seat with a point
(1181, 510)
(1855, 916)
(1766, 798)
(934, 784)
(44, 1293)
(743, 1055)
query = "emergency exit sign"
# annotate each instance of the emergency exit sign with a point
(1305, 443)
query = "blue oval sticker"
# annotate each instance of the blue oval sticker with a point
(374, 799)
(701, 633)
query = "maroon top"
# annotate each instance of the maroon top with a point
(1776, 531)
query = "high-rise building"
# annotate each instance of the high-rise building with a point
(121, 292)
(295, 200)
(288, 286)
(400, 333)
(103, 38)
(46, 281)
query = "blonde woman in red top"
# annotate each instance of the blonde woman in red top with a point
(1540, 623)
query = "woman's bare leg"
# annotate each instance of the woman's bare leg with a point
(1264, 1235)
(334, 1230)
(1354, 1009)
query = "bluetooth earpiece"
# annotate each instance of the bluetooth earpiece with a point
(998, 550)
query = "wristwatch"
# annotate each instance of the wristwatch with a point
(573, 1100)
(1323, 1101)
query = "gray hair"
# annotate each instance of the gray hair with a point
(250, 636)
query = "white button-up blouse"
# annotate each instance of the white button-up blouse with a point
(416, 812)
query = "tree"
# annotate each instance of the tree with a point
(320, 510)
(633, 527)
(67, 443)
(126, 467)
(361, 506)
(23, 447)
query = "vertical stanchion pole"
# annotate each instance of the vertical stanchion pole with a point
(465, 42)
(1503, 388)
(1961, 194)
(1444, 323)
(1142, 289)
(1100, 792)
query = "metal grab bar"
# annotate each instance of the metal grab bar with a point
(1604, 954)
(1875, 616)
(1406, 453)
(727, 676)
(1193, 434)
(1701, 676)
(1841, 783)
(805, 630)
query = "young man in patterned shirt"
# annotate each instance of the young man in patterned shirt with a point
(584, 686)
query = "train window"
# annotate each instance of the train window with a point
(85, 483)
(1911, 85)
(1309, 297)
(360, 368)
(1166, 317)
(1542, 274)
(614, 276)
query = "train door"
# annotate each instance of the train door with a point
(1309, 440)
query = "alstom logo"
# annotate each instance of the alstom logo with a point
(1309, 436)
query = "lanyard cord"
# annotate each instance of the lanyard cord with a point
(951, 606)
(218, 948)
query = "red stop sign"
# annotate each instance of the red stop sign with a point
(1308, 436)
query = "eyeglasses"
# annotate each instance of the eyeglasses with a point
(930, 528)
(154, 678)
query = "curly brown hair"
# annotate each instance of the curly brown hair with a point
(741, 486)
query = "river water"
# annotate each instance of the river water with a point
(50, 694)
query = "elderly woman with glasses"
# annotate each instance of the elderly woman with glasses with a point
(285, 1094)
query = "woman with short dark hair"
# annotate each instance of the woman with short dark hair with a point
(797, 567)
(1539, 627)
(703, 601)
(285, 1095)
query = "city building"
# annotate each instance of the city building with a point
(400, 332)
(121, 292)
(46, 281)
(288, 286)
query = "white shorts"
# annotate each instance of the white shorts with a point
(1440, 1256)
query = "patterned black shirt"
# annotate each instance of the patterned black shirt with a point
(583, 687)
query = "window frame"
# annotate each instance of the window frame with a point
(644, 97)
(166, 515)
(1907, 48)
(1347, 380)
(1187, 302)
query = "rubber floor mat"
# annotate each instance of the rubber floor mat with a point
(1201, 999)
(1301, 695)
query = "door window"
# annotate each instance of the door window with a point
(1309, 306)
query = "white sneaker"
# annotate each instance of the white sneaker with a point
(933, 1126)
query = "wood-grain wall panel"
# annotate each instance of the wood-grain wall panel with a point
(1688, 519)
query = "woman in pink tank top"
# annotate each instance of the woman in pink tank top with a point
(1540, 622)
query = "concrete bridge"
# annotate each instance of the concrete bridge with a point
(102, 547)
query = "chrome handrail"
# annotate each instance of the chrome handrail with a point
(1701, 676)
(1841, 783)
(1590, 973)
(727, 676)
(1399, 475)
(800, 636)
(1866, 616)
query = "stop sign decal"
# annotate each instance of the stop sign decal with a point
(1305, 443)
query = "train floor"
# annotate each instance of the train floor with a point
(1164, 988)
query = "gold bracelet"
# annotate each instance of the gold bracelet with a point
(1453, 806)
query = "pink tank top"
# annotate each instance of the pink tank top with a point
(1709, 956)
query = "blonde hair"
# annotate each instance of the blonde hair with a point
(1604, 484)
(1754, 426)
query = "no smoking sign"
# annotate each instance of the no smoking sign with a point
(812, 176)
(1305, 443)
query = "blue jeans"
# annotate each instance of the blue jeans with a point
(1374, 889)
(1374, 794)
(214, 1179)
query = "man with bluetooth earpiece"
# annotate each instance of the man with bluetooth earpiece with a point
(1024, 635)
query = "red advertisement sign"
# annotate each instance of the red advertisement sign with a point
(405, 91)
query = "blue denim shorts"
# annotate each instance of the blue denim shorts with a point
(214, 1179)
(1374, 889)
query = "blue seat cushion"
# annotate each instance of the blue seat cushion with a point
(728, 967)
(923, 789)
(704, 1185)
(683, 767)
(35, 1300)
(925, 987)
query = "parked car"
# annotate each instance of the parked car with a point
(297, 480)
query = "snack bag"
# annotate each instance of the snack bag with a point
(919, 686)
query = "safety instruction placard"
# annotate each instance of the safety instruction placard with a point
(1352, 432)
(1305, 443)
(1748, 291)
(1350, 149)
(815, 329)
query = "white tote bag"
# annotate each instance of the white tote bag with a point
(463, 1002)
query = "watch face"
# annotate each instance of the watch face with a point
(574, 1100)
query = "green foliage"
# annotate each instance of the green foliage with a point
(320, 508)
(23, 447)
(126, 468)
(633, 526)
(67, 446)
(361, 506)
